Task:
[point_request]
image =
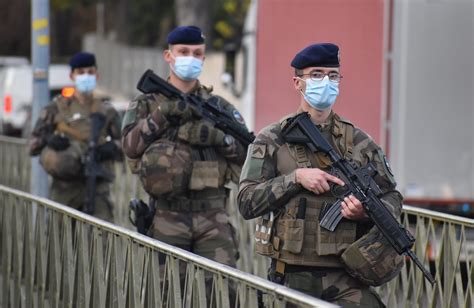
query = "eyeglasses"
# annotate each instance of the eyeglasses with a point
(319, 75)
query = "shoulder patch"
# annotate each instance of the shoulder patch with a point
(386, 166)
(238, 117)
(252, 168)
(258, 150)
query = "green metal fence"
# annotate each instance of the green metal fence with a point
(444, 243)
(54, 256)
(14, 163)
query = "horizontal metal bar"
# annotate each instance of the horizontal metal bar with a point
(251, 280)
(13, 140)
(413, 210)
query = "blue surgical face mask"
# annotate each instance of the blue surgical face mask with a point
(321, 94)
(85, 83)
(187, 68)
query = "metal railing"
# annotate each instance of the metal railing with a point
(54, 256)
(15, 173)
(14, 163)
(444, 243)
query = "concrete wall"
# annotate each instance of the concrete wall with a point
(121, 66)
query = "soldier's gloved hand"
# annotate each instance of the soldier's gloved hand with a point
(58, 142)
(177, 112)
(107, 151)
(201, 133)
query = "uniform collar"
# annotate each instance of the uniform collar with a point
(328, 123)
(196, 90)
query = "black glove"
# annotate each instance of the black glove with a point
(58, 142)
(179, 112)
(107, 151)
(202, 133)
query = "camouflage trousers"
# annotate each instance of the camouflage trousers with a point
(72, 193)
(335, 286)
(205, 233)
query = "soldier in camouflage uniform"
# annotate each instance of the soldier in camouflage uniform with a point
(286, 185)
(182, 160)
(61, 136)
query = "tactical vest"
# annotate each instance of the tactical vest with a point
(201, 177)
(77, 117)
(73, 120)
(294, 237)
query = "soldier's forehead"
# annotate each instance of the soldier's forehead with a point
(321, 68)
(188, 47)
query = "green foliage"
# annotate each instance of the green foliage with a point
(62, 5)
(228, 21)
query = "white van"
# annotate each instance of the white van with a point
(16, 94)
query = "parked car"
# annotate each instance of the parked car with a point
(16, 94)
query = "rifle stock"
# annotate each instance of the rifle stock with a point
(360, 183)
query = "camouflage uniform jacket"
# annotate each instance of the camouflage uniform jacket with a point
(268, 184)
(143, 124)
(65, 115)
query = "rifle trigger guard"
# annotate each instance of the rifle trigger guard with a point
(338, 191)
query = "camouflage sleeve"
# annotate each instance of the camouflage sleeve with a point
(235, 153)
(141, 126)
(113, 128)
(262, 189)
(43, 129)
(371, 152)
(113, 119)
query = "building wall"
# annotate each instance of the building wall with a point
(285, 27)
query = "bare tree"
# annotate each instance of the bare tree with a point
(194, 12)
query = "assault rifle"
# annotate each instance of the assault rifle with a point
(93, 170)
(358, 182)
(209, 109)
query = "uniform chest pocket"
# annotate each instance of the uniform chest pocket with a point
(336, 242)
(292, 234)
(291, 227)
(205, 174)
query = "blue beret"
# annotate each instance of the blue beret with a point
(82, 59)
(324, 55)
(188, 35)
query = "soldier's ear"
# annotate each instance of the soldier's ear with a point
(298, 83)
(167, 55)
